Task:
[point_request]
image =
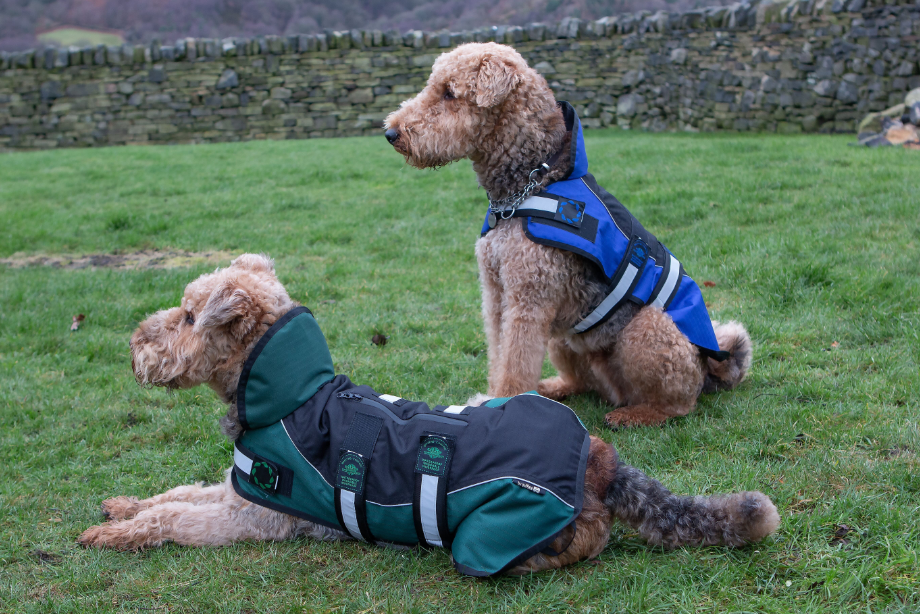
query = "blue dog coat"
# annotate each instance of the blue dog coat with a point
(496, 484)
(577, 215)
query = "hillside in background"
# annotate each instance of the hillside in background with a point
(143, 20)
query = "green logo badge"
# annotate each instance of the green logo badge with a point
(350, 475)
(264, 475)
(434, 455)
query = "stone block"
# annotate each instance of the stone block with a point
(847, 93)
(825, 88)
(228, 79)
(627, 105)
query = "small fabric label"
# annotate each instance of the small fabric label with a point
(433, 456)
(570, 212)
(528, 486)
(351, 472)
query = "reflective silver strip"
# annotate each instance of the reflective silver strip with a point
(612, 300)
(242, 461)
(454, 409)
(428, 509)
(669, 284)
(389, 398)
(349, 515)
(540, 203)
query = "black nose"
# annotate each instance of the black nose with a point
(392, 134)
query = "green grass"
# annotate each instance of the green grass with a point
(813, 245)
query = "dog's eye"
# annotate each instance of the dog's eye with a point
(449, 95)
(189, 319)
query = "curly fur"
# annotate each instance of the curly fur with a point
(484, 103)
(206, 341)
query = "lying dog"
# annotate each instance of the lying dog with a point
(563, 265)
(513, 486)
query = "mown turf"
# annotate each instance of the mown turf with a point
(813, 245)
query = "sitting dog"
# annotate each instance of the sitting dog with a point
(512, 486)
(563, 265)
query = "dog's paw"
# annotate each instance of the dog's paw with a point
(617, 419)
(99, 536)
(117, 535)
(555, 388)
(478, 399)
(120, 508)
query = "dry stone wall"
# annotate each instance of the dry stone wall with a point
(799, 66)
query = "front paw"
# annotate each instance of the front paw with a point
(555, 388)
(99, 536)
(120, 508)
(478, 399)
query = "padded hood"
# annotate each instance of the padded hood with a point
(285, 369)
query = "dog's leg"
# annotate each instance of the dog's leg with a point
(574, 371)
(654, 367)
(208, 524)
(490, 282)
(592, 527)
(120, 508)
(525, 332)
(492, 318)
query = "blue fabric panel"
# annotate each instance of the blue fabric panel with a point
(609, 248)
(650, 275)
(689, 313)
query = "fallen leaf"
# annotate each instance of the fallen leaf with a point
(835, 345)
(709, 284)
(77, 320)
(379, 339)
(840, 533)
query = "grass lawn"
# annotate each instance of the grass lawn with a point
(811, 244)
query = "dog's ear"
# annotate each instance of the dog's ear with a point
(495, 82)
(230, 304)
(254, 262)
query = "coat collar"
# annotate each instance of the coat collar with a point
(288, 364)
(578, 158)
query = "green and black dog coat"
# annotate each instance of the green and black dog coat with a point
(496, 484)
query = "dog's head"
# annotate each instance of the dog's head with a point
(472, 90)
(207, 338)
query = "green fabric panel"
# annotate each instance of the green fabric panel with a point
(392, 523)
(293, 365)
(312, 495)
(513, 518)
(309, 486)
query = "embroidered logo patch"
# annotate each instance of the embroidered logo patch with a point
(433, 456)
(639, 253)
(264, 474)
(352, 469)
(570, 211)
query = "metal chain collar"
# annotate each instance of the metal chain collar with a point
(505, 207)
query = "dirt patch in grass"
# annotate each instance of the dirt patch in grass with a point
(143, 259)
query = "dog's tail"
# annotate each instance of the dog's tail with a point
(725, 375)
(665, 519)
